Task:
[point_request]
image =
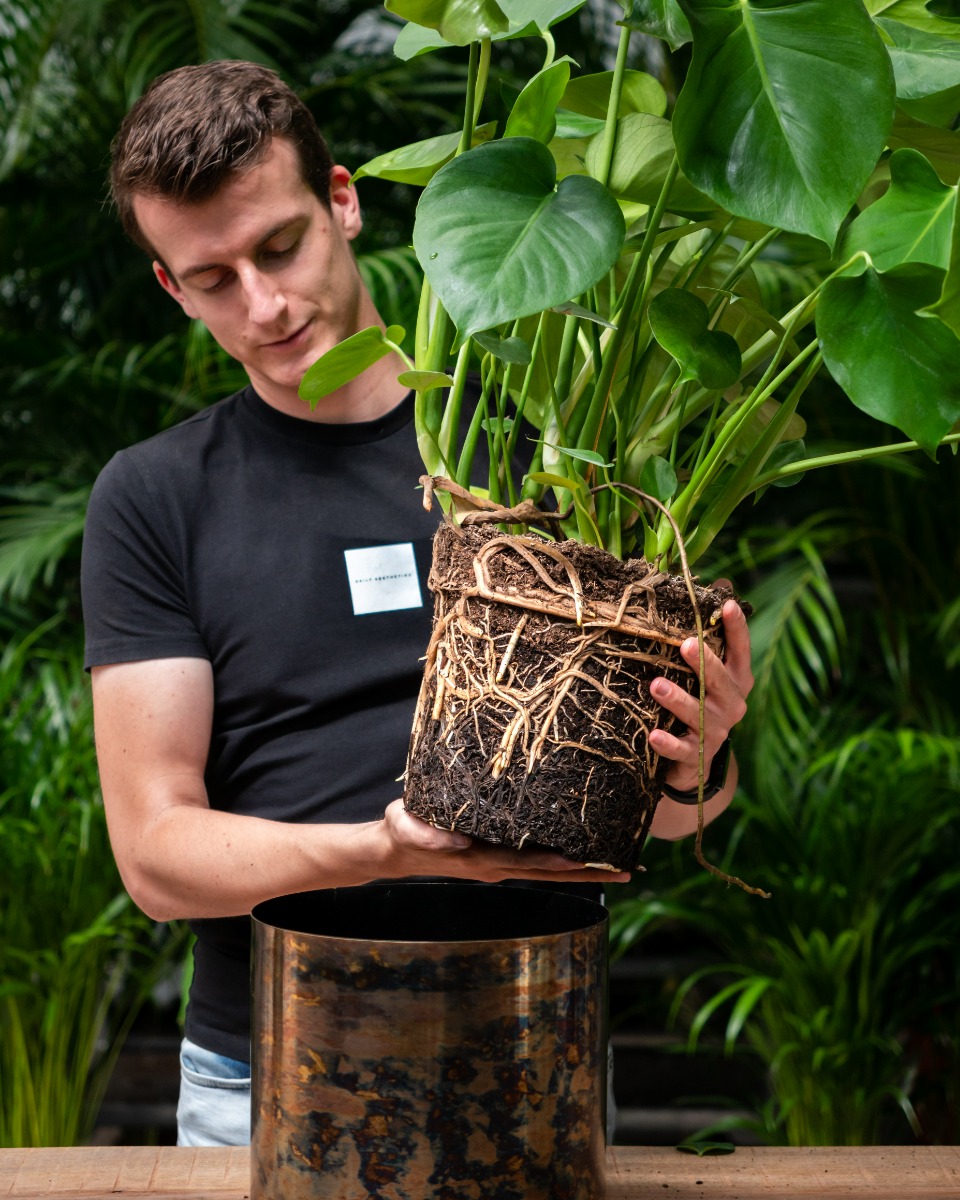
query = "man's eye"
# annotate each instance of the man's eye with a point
(281, 251)
(212, 283)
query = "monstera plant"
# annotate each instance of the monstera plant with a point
(631, 298)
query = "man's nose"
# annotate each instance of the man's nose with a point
(265, 299)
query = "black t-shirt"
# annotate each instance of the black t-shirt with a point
(293, 556)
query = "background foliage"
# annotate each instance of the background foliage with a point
(856, 588)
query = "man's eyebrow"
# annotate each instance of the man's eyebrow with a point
(190, 272)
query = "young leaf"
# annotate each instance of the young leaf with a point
(347, 360)
(458, 22)
(424, 381)
(534, 112)
(663, 19)
(587, 456)
(911, 222)
(420, 161)
(680, 323)
(766, 123)
(499, 239)
(658, 479)
(923, 63)
(644, 153)
(576, 310)
(893, 362)
(590, 94)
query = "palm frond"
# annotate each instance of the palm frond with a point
(36, 534)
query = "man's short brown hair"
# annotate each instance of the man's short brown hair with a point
(195, 128)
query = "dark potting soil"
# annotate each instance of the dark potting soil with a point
(533, 718)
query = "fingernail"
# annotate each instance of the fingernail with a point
(660, 687)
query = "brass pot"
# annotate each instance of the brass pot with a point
(429, 1041)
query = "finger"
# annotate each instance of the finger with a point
(737, 637)
(725, 697)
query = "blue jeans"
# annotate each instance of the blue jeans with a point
(214, 1106)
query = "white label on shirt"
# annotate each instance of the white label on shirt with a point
(383, 578)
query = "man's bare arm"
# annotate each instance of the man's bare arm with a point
(180, 858)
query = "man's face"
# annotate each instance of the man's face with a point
(266, 267)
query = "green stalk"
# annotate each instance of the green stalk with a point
(718, 452)
(450, 423)
(634, 295)
(470, 100)
(743, 481)
(846, 456)
(613, 108)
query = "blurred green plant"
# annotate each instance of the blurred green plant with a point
(77, 959)
(851, 953)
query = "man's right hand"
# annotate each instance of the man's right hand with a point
(413, 847)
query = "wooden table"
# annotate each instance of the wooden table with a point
(633, 1173)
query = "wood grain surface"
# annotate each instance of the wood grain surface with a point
(633, 1173)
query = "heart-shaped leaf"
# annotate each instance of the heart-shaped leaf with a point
(893, 362)
(458, 22)
(661, 18)
(590, 94)
(785, 109)
(420, 161)
(911, 222)
(644, 153)
(534, 113)
(414, 40)
(498, 239)
(658, 478)
(680, 323)
(923, 63)
(347, 360)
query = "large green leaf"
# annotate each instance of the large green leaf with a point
(534, 113)
(919, 13)
(911, 222)
(893, 362)
(680, 323)
(420, 161)
(643, 154)
(458, 22)
(590, 94)
(498, 239)
(785, 109)
(660, 18)
(923, 63)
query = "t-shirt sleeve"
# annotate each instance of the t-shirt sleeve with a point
(135, 605)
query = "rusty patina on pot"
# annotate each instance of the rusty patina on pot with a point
(453, 1065)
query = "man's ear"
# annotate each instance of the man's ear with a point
(170, 285)
(344, 202)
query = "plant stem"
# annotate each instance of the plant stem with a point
(613, 108)
(845, 456)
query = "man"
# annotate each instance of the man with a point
(251, 717)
